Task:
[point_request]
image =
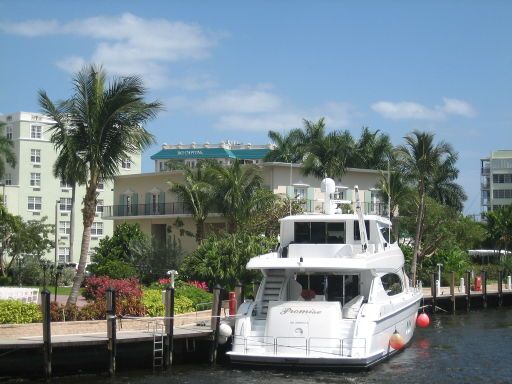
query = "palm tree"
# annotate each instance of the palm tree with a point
(392, 190)
(7, 154)
(324, 155)
(102, 124)
(444, 189)
(418, 161)
(286, 149)
(371, 151)
(236, 189)
(197, 194)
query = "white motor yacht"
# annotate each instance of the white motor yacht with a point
(333, 294)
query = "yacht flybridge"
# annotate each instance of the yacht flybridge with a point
(333, 294)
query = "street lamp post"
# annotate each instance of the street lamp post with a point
(56, 231)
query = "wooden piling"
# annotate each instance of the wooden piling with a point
(215, 322)
(169, 326)
(484, 288)
(452, 291)
(111, 330)
(239, 294)
(468, 290)
(434, 293)
(47, 334)
(500, 288)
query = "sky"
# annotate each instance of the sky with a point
(233, 70)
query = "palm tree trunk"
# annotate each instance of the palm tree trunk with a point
(88, 218)
(417, 238)
(199, 231)
(72, 223)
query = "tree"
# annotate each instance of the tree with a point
(324, 155)
(223, 259)
(418, 160)
(393, 191)
(287, 147)
(443, 188)
(499, 228)
(196, 192)
(19, 238)
(372, 150)
(235, 189)
(7, 154)
(103, 124)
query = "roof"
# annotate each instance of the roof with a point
(210, 153)
(199, 153)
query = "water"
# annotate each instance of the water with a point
(454, 349)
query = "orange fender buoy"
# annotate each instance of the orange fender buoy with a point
(396, 341)
(423, 320)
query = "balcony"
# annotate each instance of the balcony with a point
(174, 208)
(380, 209)
(485, 171)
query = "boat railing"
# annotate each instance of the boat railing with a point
(313, 346)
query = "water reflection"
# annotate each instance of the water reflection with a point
(454, 349)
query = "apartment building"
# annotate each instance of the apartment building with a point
(32, 192)
(496, 180)
(146, 198)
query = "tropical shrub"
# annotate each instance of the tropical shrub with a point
(17, 312)
(154, 306)
(115, 269)
(66, 278)
(96, 288)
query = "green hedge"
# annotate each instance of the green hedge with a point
(17, 312)
(152, 300)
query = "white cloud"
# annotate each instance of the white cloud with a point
(240, 101)
(410, 110)
(259, 109)
(128, 44)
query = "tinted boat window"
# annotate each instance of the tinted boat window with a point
(336, 233)
(318, 233)
(302, 233)
(357, 235)
(392, 284)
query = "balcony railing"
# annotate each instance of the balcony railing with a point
(380, 209)
(174, 208)
(485, 171)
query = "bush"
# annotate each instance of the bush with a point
(196, 295)
(96, 288)
(61, 312)
(154, 306)
(17, 312)
(115, 269)
(68, 274)
(31, 271)
(5, 281)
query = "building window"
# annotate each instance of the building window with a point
(8, 179)
(502, 194)
(128, 206)
(8, 132)
(35, 156)
(64, 227)
(65, 185)
(502, 179)
(35, 179)
(101, 185)
(97, 229)
(36, 131)
(65, 204)
(99, 206)
(126, 164)
(299, 193)
(34, 203)
(64, 255)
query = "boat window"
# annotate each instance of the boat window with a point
(386, 231)
(319, 233)
(336, 233)
(302, 233)
(392, 284)
(357, 235)
(342, 288)
(312, 282)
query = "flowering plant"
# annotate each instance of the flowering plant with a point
(198, 284)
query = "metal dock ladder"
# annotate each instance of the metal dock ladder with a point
(158, 345)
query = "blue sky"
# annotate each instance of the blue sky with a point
(234, 70)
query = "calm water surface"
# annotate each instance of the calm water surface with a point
(474, 348)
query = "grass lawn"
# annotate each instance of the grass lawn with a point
(60, 290)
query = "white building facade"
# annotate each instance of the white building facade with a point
(32, 192)
(496, 180)
(146, 198)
